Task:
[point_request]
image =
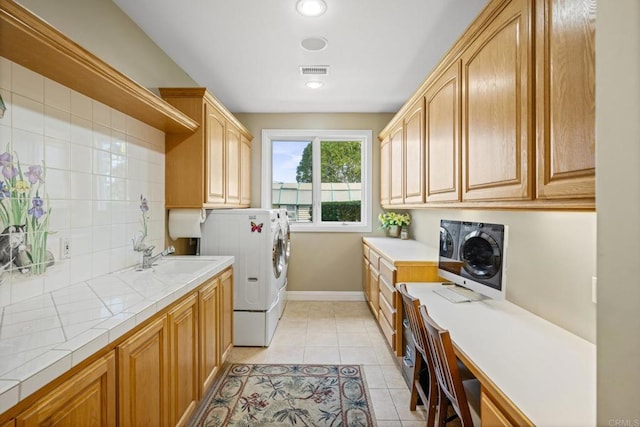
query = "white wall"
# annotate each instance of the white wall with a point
(104, 30)
(551, 257)
(618, 205)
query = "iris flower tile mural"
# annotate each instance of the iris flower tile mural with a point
(24, 216)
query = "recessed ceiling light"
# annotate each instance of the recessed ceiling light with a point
(311, 7)
(314, 84)
(314, 44)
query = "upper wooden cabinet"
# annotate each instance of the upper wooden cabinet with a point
(565, 98)
(210, 168)
(496, 136)
(385, 171)
(442, 136)
(414, 154)
(396, 163)
(509, 115)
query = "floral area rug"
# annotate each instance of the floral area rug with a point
(287, 395)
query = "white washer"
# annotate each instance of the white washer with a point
(253, 237)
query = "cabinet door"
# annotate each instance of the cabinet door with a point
(491, 415)
(143, 377)
(385, 171)
(215, 152)
(226, 311)
(565, 65)
(233, 165)
(86, 399)
(497, 157)
(374, 291)
(245, 171)
(365, 278)
(443, 136)
(183, 351)
(414, 154)
(209, 312)
(396, 173)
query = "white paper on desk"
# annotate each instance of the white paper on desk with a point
(185, 222)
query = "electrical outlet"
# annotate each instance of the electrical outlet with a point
(594, 289)
(65, 248)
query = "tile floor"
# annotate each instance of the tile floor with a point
(340, 332)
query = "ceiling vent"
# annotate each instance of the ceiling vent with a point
(314, 70)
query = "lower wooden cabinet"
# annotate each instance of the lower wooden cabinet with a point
(143, 377)
(379, 277)
(226, 314)
(86, 399)
(153, 376)
(209, 304)
(184, 390)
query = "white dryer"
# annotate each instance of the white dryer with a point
(285, 230)
(254, 238)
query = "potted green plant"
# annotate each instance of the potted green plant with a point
(392, 222)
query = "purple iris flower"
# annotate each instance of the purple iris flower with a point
(144, 205)
(6, 161)
(36, 210)
(34, 174)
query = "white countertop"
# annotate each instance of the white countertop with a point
(546, 371)
(43, 337)
(398, 250)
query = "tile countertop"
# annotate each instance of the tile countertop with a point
(398, 250)
(43, 337)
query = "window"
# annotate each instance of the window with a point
(322, 178)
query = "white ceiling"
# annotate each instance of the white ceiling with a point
(247, 52)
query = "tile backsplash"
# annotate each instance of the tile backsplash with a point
(82, 166)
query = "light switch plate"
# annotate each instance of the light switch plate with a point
(594, 289)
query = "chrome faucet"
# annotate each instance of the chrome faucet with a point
(148, 259)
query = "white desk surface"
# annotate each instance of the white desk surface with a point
(546, 371)
(398, 250)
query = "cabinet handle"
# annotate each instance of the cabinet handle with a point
(407, 362)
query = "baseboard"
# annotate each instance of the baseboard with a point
(325, 296)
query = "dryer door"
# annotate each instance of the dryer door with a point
(481, 255)
(277, 256)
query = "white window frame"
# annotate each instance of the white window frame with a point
(366, 138)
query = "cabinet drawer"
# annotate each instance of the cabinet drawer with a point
(387, 310)
(490, 414)
(387, 270)
(386, 290)
(374, 259)
(365, 251)
(388, 332)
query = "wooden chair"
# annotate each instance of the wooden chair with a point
(423, 370)
(450, 382)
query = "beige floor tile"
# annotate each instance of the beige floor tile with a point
(353, 340)
(358, 355)
(374, 377)
(401, 399)
(393, 377)
(411, 423)
(383, 406)
(384, 355)
(248, 355)
(350, 326)
(329, 355)
(390, 423)
(285, 355)
(322, 339)
(322, 325)
(289, 337)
